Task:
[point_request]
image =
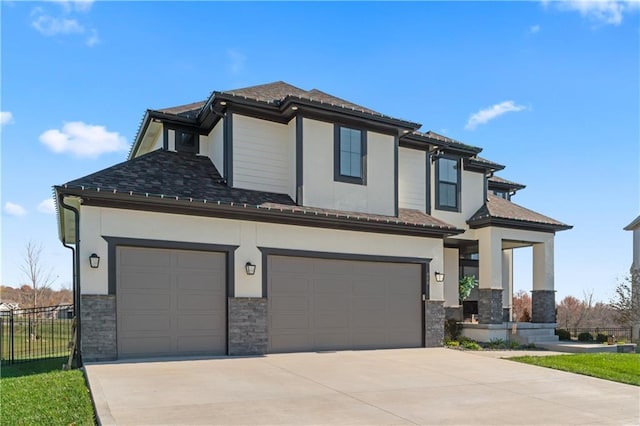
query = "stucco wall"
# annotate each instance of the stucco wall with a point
(471, 198)
(451, 271)
(320, 189)
(261, 151)
(97, 222)
(212, 146)
(412, 179)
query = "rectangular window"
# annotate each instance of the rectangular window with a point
(186, 141)
(448, 184)
(350, 146)
(501, 194)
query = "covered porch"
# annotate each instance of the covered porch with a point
(486, 252)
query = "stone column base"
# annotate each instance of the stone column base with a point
(434, 323)
(543, 306)
(247, 326)
(98, 327)
(453, 313)
(506, 314)
(490, 306)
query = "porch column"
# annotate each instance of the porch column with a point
(507, 284)
(490, 284)
(543, 303)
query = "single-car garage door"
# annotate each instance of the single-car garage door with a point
(325, 304)
(170, 302)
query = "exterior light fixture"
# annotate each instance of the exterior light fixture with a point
(439, 276)
(223, 103)
(94, 261)
(250, 268)
(294, 108)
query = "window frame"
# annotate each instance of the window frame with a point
(339, 177)
(179, 147)
(458, 184)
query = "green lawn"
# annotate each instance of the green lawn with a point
(33, 339)
(623, 368)
(40, 393)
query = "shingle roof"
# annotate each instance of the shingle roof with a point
(183, 176)
(438, 139)
(497, 210)
(504, 182)
(188, 109)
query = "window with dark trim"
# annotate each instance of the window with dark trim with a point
(186, 141)
(448, 184)
(350, 153)
(501, 194)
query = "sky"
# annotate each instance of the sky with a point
(549, 89)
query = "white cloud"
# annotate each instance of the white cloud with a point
(485, 115)
(47, 206)
(607, 12)
(77, 5)
(83, 140)
(6, 117)
(534, 29)
(93, 38)
(236, 61)
(13, 209)
(50, 26)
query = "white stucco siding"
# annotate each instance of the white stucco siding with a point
(260, 155)
(471, 198)
(412, 179)
(320, 189)
(212, 146)
(97, 222)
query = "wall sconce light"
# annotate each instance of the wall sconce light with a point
(94, 260)
(439, 276)
(250, 268)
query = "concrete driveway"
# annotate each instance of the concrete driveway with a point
(408, 386)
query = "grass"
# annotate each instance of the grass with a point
(623, 368)
(38, 393)
(38, 338)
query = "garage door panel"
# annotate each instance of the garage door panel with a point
(170, 302)
(199, 301)
(140, 346)
(145, 257)
(289, 321)
(144, 279)
(143, 302)
(351, 304)
(132, 323)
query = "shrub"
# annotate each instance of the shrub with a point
(452, 329)
(471, 345)
(452, 343)
(563, 334)
(514, 345)
(602, 338)
(496, 344)
(585, 337)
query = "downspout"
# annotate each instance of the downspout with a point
(76, 270)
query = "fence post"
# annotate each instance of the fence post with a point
(12, 335)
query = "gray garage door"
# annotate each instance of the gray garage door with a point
(325, 304)
(170, 302)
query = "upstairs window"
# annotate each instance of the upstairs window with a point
(350, 148)
(501, 194)
(186, 141)
(448, 184)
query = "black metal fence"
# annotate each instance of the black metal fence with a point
(35, 333)
(620, 333)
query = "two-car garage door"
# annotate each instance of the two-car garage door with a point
(325, 304)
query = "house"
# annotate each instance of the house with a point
(635, 270)
(277, 219)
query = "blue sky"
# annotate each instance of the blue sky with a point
(550, 89)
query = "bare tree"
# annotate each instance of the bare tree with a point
(36, 274)
(626, 301)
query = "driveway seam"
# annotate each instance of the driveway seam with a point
(343, 393)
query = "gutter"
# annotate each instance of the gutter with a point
(76, 278)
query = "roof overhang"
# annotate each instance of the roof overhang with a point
(633, 225)
(423, 141)
(212, 208)
(480, 165)
(517, 224)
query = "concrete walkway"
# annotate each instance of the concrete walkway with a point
(408, 386)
